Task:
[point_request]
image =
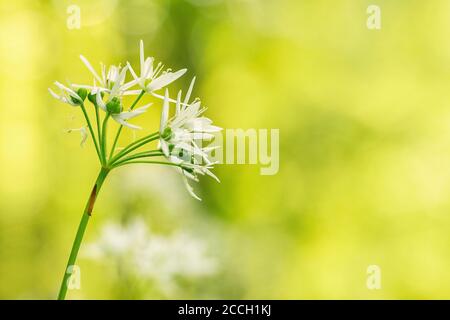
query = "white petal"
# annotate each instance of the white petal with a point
(212, 129)
(68, 90)
(188, 94)
(91, 69)
(165, 112)
(117, 84)
(100, 103)
(85, 86)
(124, 123)
(189, 188)
(131, 92)
(54, 95)
(128, 85)
(164, 147)
(190, 176)
(137, 80)
(141, 56)
(144, 107)
(131, 114)
(148, 69)
(160, 96)
(133, 74)
(201, 124)
(212, 175)
(165, 79)
(201, 136)
(178, 102)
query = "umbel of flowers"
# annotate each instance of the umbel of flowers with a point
(182, 138)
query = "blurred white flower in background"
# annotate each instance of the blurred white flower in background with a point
(138, 180)
(160, 258)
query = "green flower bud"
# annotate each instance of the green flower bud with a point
(114, 106)
(75, 100)
(167, 134)
(82, 93)
(92, 97)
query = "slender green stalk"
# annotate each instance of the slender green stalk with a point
(137, 99)
(141, 155)
(80, 232)
(91, 130)
(151, 135)
(97, 117)
(113, 148)
(133, 146)
(154, 162)
(104, 137)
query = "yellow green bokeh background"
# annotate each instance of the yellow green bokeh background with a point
(364, 119)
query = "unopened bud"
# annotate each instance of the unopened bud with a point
(114, 106)
(82, 93)
(92, 97)
(167, 134)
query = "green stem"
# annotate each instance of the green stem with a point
(80, 232)
(147, 154)
(104, 137)
(97, 117)
(154, 162)
(91, 130)
(137, 99)
(133, 146)
(120, 128)
(111, 153)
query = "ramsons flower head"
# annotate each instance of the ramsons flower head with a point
(182, 138)
(69, 94)
(111, 81)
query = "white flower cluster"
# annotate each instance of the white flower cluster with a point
(155, 257)
(181, 137)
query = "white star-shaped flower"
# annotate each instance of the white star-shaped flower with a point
(111, 81)
(68, 95)
(151, 79)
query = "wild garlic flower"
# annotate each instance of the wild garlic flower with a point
(180, 137)
(69, 95)
(112, 82)
(151, 79)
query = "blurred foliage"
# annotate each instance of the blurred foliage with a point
(364, 145)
